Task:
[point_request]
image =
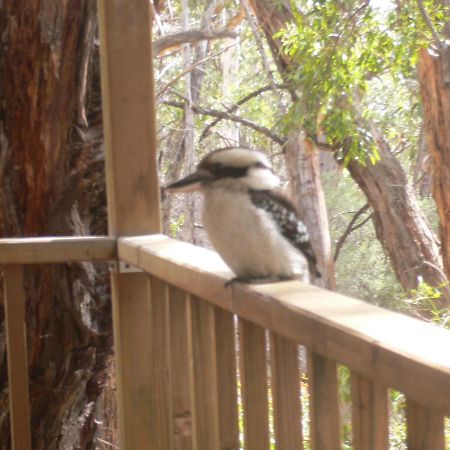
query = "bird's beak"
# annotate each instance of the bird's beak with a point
(191, 183)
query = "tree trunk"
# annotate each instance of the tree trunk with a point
(302, 164)
(434, 79)
(301, 156)
(52, 182)
(399, 224)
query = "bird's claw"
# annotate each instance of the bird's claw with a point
(264, 280)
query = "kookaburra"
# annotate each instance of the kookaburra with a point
(252, 225)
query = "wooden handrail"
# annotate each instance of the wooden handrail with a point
(41, 250)
(392, 349)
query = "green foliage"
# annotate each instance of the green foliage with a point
(338, 47)
(397, 420)
(424, 301)
(176, 225)
(345, 399)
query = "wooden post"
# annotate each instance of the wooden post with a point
(324, 403)
(253, 367)
(425, 428)
(180, 364)
(133, 208)
(227, 381)
(129, 117)
(16, 342)
(370, 414)
(203, 376)
(287, 412)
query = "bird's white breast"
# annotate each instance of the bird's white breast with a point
(246, 238)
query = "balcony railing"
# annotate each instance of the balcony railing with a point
(187, 345)
(191, 354)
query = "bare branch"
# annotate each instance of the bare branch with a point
(429, 24)
(258, 39)
(351, 227)
(156, 16)
(227, 116)
(190, 69)
(184, 37)
(240, 102)
(85, 60)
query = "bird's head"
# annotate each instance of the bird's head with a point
(232, 168)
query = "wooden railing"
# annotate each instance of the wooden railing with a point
(192, 354)
(14, 253)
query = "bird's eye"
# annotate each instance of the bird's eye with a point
(260, 165)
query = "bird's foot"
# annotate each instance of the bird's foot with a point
(235, 280)
(260, 280)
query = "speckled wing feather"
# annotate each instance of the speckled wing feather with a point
(291, 227)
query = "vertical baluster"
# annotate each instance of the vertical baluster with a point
(287, 412)
(253, 370)
(324, 405)
(180, 363)
(16, 342)
(141, 366)
(227, 380)
(370, 415)
(160, 374)
(204, 387)
(425, 428)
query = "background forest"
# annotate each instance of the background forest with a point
(350, 100)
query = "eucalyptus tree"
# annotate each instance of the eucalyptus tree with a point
(52, 183)
(434, 78)
(328, 52)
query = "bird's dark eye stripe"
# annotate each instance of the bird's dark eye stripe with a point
(220, 171)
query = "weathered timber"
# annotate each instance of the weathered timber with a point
(254, 384)
(57, 249)
(370, 415)
(125, 29)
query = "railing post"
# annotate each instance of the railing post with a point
(16, 341)
(324, 403)
(285, 381)
(370, 414)
(253, 372)
(133, 208)
(425, 428)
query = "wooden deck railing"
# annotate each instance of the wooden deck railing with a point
(188, 345)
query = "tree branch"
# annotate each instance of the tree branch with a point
(227, 116)
(429, 24)
(184, 37)
(190, 69)
(240, 102)
(350, 228)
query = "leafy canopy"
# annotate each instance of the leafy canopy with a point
(336, 48)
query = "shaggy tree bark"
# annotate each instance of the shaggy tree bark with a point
(399, 224)
(52, 183)
(302, 164)
(434, 78)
